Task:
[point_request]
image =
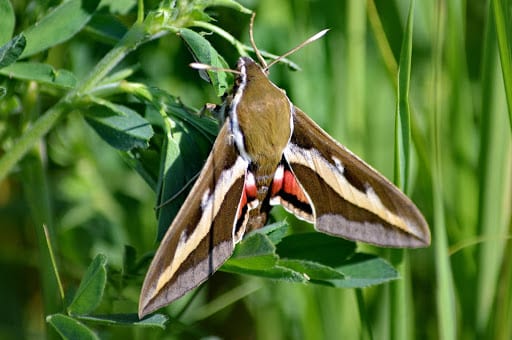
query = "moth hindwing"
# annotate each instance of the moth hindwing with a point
(269, 152)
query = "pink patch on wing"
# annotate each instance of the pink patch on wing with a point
(249, 194)
(250, 187)
(285, 183)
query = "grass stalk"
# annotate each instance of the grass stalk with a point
(496, 160)
(445, 298)
(504, 34)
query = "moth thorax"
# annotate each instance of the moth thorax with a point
(263, 114)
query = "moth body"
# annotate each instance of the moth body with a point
(260, 113)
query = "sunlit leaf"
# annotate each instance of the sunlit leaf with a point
(90, 292)
(119, 126)
(59, 25)
(70, 328)
(39, 72)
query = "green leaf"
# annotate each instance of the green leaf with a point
(90, 292)
(275, 272)
(183, 149)
(308, 257)
(168, 105)
(361, 270)
(70, 328)
(154, 320)
(118, 125)
(59, 25)
(11, 51)
(7, 22)
(186, 149)
(206, 126)
(185, 153)
(39, 72)
(364, 270)
(314, 271)
(204, 53)
(254, 252)
(316, 247)
(275, 231)
(106, 28)
(173, 178)
(255, 255)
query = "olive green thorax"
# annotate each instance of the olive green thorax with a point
(263, 112)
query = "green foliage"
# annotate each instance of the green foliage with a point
(11, 51)
(70, 328)
(90, 292)
(59, 25)
(120, 126)
(204, 53)
(41, 73)
(307, 257)
(98, 125)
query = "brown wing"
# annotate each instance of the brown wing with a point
(348, 197)
(201, 237)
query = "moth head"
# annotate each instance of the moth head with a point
(249, 71)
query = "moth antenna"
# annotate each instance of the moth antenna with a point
(253, 43)
(298, 47)
(200, 66)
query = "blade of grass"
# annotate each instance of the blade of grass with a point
(355, 106)
(400, 308)
(366, 331)
(503, 32)
(311, 317)
(445, 297)
(501, 324)
(381, 39)
(418, 138)
(402, 116)
(54, 262)
(37, 194)
(495, 158)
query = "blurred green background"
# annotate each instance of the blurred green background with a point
(460, 177)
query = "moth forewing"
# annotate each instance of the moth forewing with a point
(348, 197)
(200, 239)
